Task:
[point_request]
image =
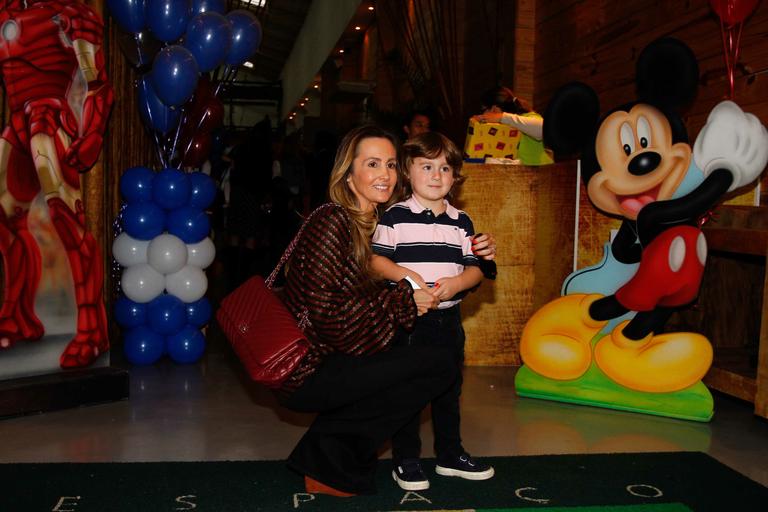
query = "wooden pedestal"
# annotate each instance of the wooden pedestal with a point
(530, 212)
(63, 390)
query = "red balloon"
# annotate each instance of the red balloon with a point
(197, 150)
(210, 117)
(733, 11)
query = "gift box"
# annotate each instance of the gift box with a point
(494, 140)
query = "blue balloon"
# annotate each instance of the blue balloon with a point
(174, 75)
(168, 19)
(130, 314)
(129, 14)
(203, 190)
(143, 346)
(246, 36)
(136, 184)
(188, 223)
(171, 189)
(199, 312)
(143, 221)
(156, 114)
(166, 314)
(200, 6)
(209, 36)
(186, 346)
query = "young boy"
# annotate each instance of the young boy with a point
(430, 241)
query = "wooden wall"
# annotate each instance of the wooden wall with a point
(127, 143)
(598, 41)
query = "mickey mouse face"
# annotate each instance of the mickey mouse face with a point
(638, 161)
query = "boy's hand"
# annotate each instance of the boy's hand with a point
(425, 300)
(446, 287)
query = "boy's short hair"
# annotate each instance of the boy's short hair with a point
(430, 145)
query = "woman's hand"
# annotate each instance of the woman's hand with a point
(484, 246)
(425, 300)
(488, 117)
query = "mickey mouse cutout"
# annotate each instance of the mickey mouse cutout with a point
(637, 164)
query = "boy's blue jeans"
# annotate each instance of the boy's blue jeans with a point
(441, 328)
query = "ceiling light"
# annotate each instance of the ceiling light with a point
(357, 27)
(341, 51)
(306, 99)
(370, 7)
(248, 64)
(301, 104)
(316, 86)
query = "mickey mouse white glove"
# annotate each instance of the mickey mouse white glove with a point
(732, 140)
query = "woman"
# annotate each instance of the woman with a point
(362, 392)
(500, 105)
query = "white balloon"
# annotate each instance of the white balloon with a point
(201, 254)
(167, 253)
(142, 283)
(129, 251)
(188, 284)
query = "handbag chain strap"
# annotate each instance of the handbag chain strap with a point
(304, 320)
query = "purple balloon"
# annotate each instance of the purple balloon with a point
(174, 75)
(171, 188)
(139, 48)
(130, 314)
(168, 19)
(200, 6)
(209, 36)
(143, 346)
(246, 36)
(136, 184)
(166, 315)
(156, 114)
(130, 15)
(203, 190)
(188, 223)
(186, 346)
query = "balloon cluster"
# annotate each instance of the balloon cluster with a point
(163, 249)
(177, 43)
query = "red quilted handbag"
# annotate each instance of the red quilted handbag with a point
(262, 331)
(264, 334)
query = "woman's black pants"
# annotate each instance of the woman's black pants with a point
(362, 401)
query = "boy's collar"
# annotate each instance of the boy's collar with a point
(417, 207)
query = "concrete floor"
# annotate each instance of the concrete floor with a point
(209, 411)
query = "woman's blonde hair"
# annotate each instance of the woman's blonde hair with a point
(363, 222)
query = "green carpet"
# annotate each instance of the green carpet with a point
(653, 482)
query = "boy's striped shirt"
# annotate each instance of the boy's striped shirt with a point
(435, 246)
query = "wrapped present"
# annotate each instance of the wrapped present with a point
(493, 140)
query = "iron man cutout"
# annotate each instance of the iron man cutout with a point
(52, 66)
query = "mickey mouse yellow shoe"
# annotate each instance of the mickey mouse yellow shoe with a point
(656, 364)
(556, 340)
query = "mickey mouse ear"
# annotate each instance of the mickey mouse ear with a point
(571, 118)
(667, 73)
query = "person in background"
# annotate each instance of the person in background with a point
(428, 240)
(247, 218)
(501, 105)
(362, 389)
(319, 165)
(416, 123)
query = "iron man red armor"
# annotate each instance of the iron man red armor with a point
(52, 66)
